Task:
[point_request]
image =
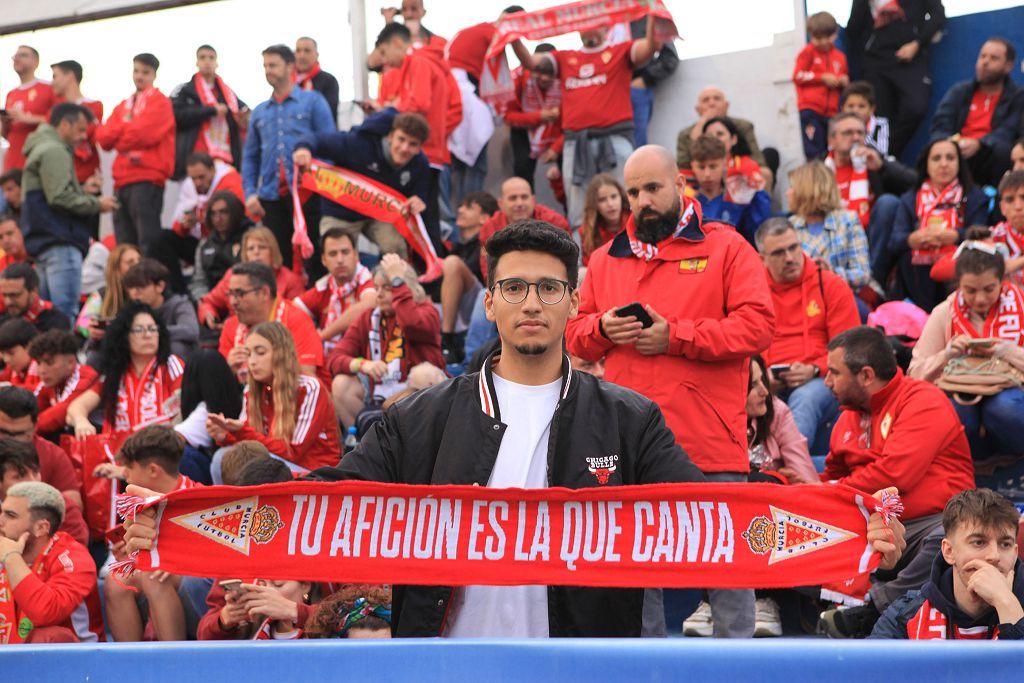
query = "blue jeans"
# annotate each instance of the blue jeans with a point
(814, 408)
(60, 278)
(193, 591)
(1002, 416)
(643, 104)
(469, 178)
(879, 230)
(444, 198)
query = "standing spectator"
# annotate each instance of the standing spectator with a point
(605, 213)
(694, 359)
(67, 87)
(10, 185)
(274, 128)
(983, 115)
(310, 77)
(104, 304)
(534, 119)
(12, 242)
(812, 306)
(385, 148)
(222, 247)
(517, 203)
(932, 220)
(19, 286)
(859, 98)
(660, 67)
(597, 139)
(712, 103)
(147, 283)
(57, 210)
(141, 130)
(745, 209)
(820, 75)
(19, 368)
(208, 116)
(412, 12)
(27, 106)
(894, 38)
(61, 378)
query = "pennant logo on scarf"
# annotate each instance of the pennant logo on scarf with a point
(786, 535)
(234, 524)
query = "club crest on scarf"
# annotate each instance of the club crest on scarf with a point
(603, 468)
(235, 524)
(786, 535)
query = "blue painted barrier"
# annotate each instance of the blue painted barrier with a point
(516, 661)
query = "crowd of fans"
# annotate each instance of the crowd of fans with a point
(208, 351)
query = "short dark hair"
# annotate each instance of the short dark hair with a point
(533, 235)
(19, 455)
(392, 30)
(263, 471)
(707, 148)
(866, 347)
(148, 59)
(282, 51)
(543, 47)
(8, 216)
(1011, 51)
(16, 332)
(155, 443)
(413, 124)
(335, 233)
(861, 88)
(840, 117)
(17, 402)
(199, 158)
(146, 272)
(485, 200)
(512, 9)
(259, 274)
(983, 506)
(22, 271)
(1014, 180)
(70, 112)
(822, 25)
(204, 46)
(12, 175)
(977, 261)
(53, 343)
(71, 66)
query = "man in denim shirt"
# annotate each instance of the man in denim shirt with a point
(276, 125)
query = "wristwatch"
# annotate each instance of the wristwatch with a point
(397, 282)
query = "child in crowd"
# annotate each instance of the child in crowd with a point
(709, 159)
(820, 74)
(19, 369)
(859, 98)
(1010, 232)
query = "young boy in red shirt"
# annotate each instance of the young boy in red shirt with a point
(820, 75)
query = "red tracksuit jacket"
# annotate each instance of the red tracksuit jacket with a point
(144, 140)
(427, 87)
(811, 91)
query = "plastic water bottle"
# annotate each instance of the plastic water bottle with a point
(351, 440)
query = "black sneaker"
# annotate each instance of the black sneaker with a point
(852, 622)
(452, 347)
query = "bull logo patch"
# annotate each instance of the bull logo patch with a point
(603, 468)
(786, 535)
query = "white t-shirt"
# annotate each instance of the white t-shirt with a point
(513, 611)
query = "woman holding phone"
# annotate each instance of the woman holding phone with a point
(983, 318)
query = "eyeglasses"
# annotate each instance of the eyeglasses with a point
(142, 331)
(514, 290)
(239, 293)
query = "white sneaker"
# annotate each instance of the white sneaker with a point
(699, 623)
(767, 623)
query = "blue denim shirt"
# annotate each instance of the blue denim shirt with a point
(274, 128)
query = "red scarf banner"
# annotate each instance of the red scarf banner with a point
(373, 200)
(1005, 320)
(214, 130)
(663, 535)
(943, 208)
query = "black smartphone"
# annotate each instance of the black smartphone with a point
(780, 368)
(636, 310)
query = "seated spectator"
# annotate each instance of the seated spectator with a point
(19, 286)
(62, 378)
(104, 304)
(605, 213)
(336, 299)
(386, 148)
(1010, 232)
(517, 203)
(894, 431)
(205, 176)
(534, 119)
(976, 589)
(18, 413)
(256, 299)
(10, 186)
(774, 442)
(12, 242)
(355, 611)
(141, 381)
(238, 457)
(258, 245)
(739, 164)
(859, 98)
(19, 462)
(150, 458)
(1017, 155)
(19, 368)
(981, 319)
(49, 577)
(983, 115)
(220, 249)
(711, 102)
(820, 74)
(932, 219)
(461, 270)
(812, 306)
(832, 237)
(148, 283)
(286, 410)
(746, 212)
(394, 345)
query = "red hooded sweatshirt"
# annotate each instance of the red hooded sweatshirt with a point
(427, 87)
(808, 313)
(141, 129)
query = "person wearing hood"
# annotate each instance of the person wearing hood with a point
(976, 590)
(55, 210)
(812, 305)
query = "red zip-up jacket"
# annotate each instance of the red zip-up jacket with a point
(811, 91)
(427, 87)
(914, 441)
(499, 220)
(209, 627)
(707, 283)
(143, 138)
(289, 286)
(54, 402)
(808, 313)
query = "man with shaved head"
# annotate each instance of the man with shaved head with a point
(709, 313)
(712, 102)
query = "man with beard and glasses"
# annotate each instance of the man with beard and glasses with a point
(699, 283)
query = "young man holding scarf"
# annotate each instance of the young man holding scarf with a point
(310, 77)
(209, 116)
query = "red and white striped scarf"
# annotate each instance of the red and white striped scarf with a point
(1014, 241)
(944, 207)
(1005, 320)
(932, 624)
(646, 251)
(305, 79)
(149, 398)
(535, 99)
(858, 193)
(884, 12)
(215, 129)
(341, 294)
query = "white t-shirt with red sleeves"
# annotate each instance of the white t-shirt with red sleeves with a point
(595, 85)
